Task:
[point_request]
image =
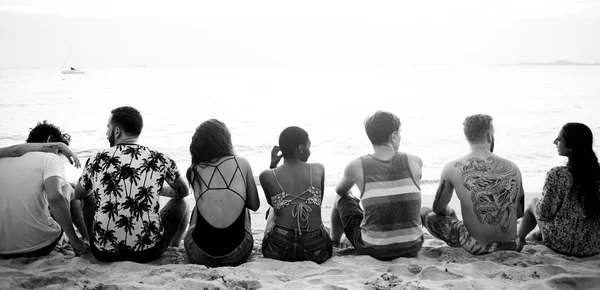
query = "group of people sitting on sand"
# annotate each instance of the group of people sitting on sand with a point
(115, 204)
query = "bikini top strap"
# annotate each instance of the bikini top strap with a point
(240, 169)
(277, 180)
(310, 173)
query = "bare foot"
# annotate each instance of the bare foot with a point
(520, 244)
(535, 236)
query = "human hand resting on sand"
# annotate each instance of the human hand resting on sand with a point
(274, 157)
(80, 247)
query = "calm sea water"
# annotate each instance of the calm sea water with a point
(528, 104)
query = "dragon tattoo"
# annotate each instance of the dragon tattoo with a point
(494, 189)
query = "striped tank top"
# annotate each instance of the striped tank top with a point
(391, 199)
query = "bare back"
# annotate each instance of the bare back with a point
(287, 186)
(490, 190)
(220, 190)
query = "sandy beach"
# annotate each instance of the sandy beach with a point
(436, 267)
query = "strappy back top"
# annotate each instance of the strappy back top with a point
(217, 176)
(221, 241)
(301, 208)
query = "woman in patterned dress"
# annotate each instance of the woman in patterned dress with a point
(568, 213)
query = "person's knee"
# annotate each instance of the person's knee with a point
(425, 210)
(531, 205)
(346, 198)
(336, 201)
(177, 205)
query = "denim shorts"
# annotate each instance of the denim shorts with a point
(238, 256)
(293, 245)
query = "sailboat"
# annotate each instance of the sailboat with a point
(72, 70)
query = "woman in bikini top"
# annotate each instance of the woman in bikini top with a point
(295, 192)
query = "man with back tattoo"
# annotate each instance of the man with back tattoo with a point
(490, 190)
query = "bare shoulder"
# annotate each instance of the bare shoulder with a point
(414, 159)
(243, 162)
(503, 164)
(353, 169)
(266, 177)
(492, 164)
(355, 164)
(317, 167)
(266, 174)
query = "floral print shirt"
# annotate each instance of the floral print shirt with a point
(126, 180)
(563, 222)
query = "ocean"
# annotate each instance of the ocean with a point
(529, 105)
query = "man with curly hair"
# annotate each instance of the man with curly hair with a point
(36, 203)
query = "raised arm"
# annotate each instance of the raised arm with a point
(443, 194)
(60, 210)
(275, 157)
(20, 149)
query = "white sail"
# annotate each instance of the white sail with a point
(70, 70)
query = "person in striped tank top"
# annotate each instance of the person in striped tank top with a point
(388, 225)
(490, 190)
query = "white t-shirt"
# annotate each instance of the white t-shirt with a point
(25, 222)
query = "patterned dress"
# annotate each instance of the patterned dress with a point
(126, 181)
(565, 227)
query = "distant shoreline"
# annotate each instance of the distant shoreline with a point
(558, 63)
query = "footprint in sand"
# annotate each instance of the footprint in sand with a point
(436, 274)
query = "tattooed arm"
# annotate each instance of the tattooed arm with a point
(20, 149)
(444, 194)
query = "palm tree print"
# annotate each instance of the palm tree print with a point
(126, 181)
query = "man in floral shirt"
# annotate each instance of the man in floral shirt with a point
(120, 187)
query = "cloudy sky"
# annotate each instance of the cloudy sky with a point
(296, 33)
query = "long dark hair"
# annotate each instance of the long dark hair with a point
(211, 141)
(583, 165)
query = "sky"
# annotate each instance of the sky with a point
(281, 34)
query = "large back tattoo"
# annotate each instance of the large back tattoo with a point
(494, 189)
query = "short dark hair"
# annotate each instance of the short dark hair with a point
(290, 138)
(477, 126)
(128, 119)
(211, 140)
(380, 125)
(40, 133)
